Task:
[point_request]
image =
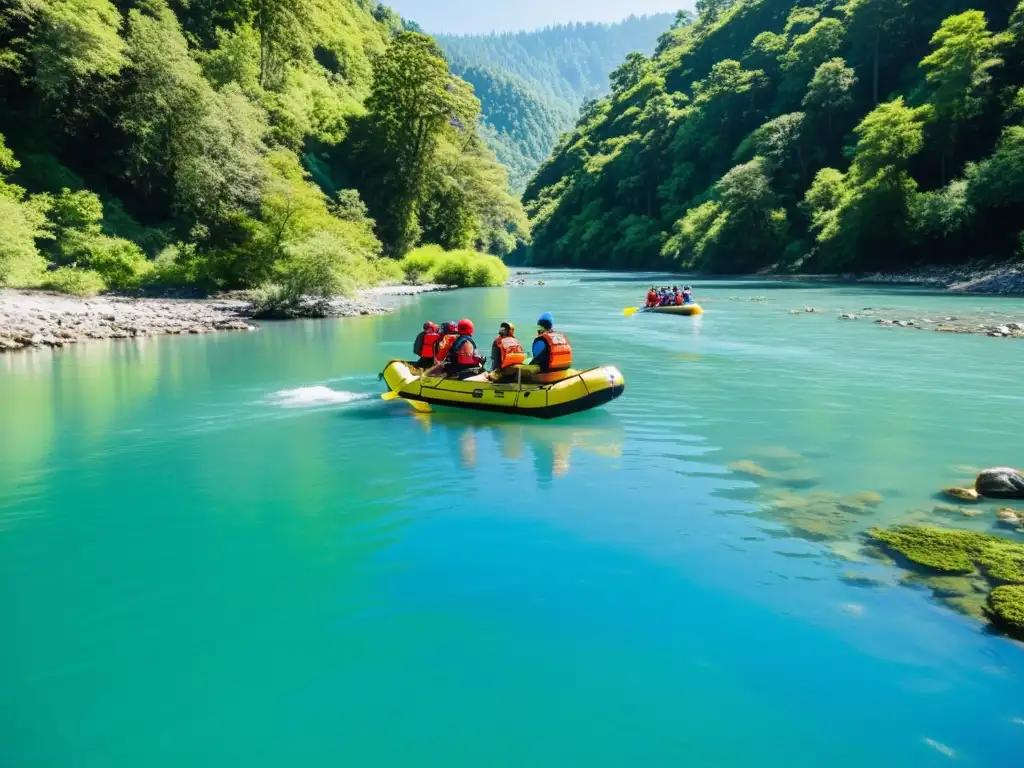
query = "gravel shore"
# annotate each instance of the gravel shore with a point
(1000, 280)
(35, 319)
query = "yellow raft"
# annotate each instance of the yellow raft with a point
(686, 310)
(575, 391)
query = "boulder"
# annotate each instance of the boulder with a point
(1000, 483)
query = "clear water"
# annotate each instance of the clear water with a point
(227, 550)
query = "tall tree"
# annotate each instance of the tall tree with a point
(415, 101)
(958, 71)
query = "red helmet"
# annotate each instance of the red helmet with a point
(465, 327)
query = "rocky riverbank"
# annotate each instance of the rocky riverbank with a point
(998, 280)
(36, 319)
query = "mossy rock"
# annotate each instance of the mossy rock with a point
(955, 551)
(1005, 609)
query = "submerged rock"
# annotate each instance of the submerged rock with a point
(747, 467)
(961, 494)
(1000, 483)
(863, 580)
(1010, 517)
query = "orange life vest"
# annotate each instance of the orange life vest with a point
(652, 299)
(511, 351)
(430, 338)
(444, 346)
(559, 351)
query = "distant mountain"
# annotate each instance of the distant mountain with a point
(532, 84)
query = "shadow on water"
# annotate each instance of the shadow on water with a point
(551, 445)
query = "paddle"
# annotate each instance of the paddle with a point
(416, 404)
(630, 311)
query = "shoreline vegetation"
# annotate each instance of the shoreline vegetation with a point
(838, 137)
(302, 152)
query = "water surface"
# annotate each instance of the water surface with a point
(227, 550)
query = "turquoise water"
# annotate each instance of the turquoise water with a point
(227, 550)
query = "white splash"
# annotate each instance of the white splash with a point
(314, 397)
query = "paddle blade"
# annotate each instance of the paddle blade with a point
(420, 407)
(630, 311)
(390, 396)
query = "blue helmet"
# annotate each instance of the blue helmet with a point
(546, 320)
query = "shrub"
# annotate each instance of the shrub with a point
(463, 268)
(77, 282)
(120, 263)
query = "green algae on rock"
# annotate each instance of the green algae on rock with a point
(956, 551)
(961, 566)
(1005, 609)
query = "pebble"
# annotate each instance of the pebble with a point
(33, 321)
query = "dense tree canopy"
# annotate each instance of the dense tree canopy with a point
(532, 84)
(232, 143)
(848, 135)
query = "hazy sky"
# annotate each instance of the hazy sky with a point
(487, 15)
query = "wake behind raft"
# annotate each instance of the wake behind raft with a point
(574, 391)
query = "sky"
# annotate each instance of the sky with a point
(466, 16)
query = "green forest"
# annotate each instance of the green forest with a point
(305, 147)
(766, 134)
(531, 84)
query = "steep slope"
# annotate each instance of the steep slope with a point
(870, 134)
(188, 132)
(531, 84)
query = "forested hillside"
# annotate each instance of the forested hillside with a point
(531, 84)
(234, 143)
(868, 134)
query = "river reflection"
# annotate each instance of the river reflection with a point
(551, 445)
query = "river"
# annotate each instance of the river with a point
(227, 550)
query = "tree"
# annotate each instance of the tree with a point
(71, 43)
(415, 101)
(830, 91)
(870, 22)
(629, 74)
(958, 71)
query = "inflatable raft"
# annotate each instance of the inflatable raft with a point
(687, 310)
(573, 392)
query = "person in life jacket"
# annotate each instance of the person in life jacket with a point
(687, 295)
(507, 353)
(652, 297)
(551, 350)
(447, 337)
(426, 344)
(461, 355)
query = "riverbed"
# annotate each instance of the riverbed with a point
(227, 550)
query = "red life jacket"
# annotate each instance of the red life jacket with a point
(559, 351)
(430, 338)
(652, 299)
(679, 299)
(511, 351)
(444, 346)
(461, 358)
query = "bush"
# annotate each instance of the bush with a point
(77, 282)
(120, 263)
(173, 267)
(463, 268)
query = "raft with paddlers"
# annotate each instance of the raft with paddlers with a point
(572, 391)
(688, 310)
(668, 301)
